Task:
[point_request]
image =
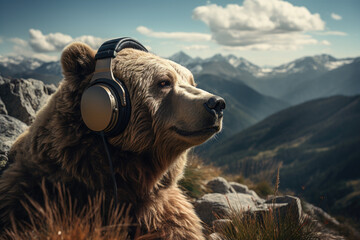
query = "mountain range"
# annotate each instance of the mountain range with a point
(302, 76)
(27, 67)
(294, 82)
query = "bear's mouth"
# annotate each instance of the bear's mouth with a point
(204, 131)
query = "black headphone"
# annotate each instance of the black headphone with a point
(105, 104)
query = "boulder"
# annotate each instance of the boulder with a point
(2, 107)
(10, 129)
(213, 206)
(219, 185)
(239, 188)
(216, 209)
(291, 207)
(319, 214)
(23, 98)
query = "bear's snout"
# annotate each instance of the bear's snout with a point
(215, 106)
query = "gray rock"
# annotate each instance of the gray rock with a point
(23, 98)
(253, 194)
(239, 188)
(213, 206)
(319, 214)
(219, 185)
(291, 208)
(10, 129)
(2, 107)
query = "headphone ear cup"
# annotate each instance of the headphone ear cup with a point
(106, 106)
(99, 108)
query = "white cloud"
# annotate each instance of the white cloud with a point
(182, 36)
(19, 42)
(21, 47)
(39, 44)
(325, 42)
(334, 33)
(276, 42)
(1, 40)
(260, 24)
(54, 42)
(92, 41)
(335, 16)
(196, 47)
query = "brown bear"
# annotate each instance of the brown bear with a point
(169, 115)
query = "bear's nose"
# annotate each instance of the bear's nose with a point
(215, 105)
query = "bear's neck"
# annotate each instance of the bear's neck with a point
(140, 175)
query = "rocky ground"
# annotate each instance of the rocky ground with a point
(213, 208)
(20, 99)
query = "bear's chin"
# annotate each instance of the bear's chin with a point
(196, 137)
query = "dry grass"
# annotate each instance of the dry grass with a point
(63, 220)
(267, 225)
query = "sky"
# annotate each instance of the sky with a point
(265, 32)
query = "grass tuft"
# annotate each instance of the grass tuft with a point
(196, 175)
(266, 226)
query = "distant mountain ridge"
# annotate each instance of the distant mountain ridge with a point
(289, 82)
(280, 82)
(11, 65)
(320, 63)
(15, 64)
(26, 67)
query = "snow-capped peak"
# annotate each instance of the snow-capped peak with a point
(181, 58)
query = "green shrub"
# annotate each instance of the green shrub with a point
(196, 175)
(263, 188)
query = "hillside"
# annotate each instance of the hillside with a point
(317, 144)
(344, 80)
(244, 105)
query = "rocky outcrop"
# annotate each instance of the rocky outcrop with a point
(227, 197)
(10, 129)
(2, 107)
(20, 99)
(215, 208)
(219, 185)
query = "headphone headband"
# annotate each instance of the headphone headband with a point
(109, 48)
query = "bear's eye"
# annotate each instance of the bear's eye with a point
(164, 83)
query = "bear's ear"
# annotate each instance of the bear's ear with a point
(77, 59)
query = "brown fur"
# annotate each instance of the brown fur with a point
(148, 157)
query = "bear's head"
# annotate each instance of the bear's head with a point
(168, 113)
